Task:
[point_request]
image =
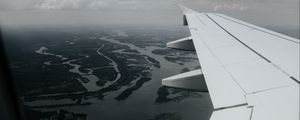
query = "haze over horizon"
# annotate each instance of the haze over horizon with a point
(272, 14)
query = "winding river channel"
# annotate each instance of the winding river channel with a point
(140, 105)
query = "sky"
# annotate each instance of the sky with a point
(109, 4)
(272, 14)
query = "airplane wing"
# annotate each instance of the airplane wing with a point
(251, 73)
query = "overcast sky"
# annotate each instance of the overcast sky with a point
(266, 13)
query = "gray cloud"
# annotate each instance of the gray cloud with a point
(59, 4)
(102, 4)
(117, 4)
(233, 6)
(265, 13)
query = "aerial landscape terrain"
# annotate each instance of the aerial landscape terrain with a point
(102, 72)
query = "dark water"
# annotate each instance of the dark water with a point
(102, 73)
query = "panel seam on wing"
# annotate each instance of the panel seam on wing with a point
(251, 114)
(269, 61)
(233, 106)
(239, 40)
(244, 91)
(271, 89)
(257, 29)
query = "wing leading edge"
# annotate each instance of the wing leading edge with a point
(251, 73)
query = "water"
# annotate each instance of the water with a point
(113, 74)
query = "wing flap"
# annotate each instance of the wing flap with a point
(276, 104)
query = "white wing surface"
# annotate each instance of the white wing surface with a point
(251, 73)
